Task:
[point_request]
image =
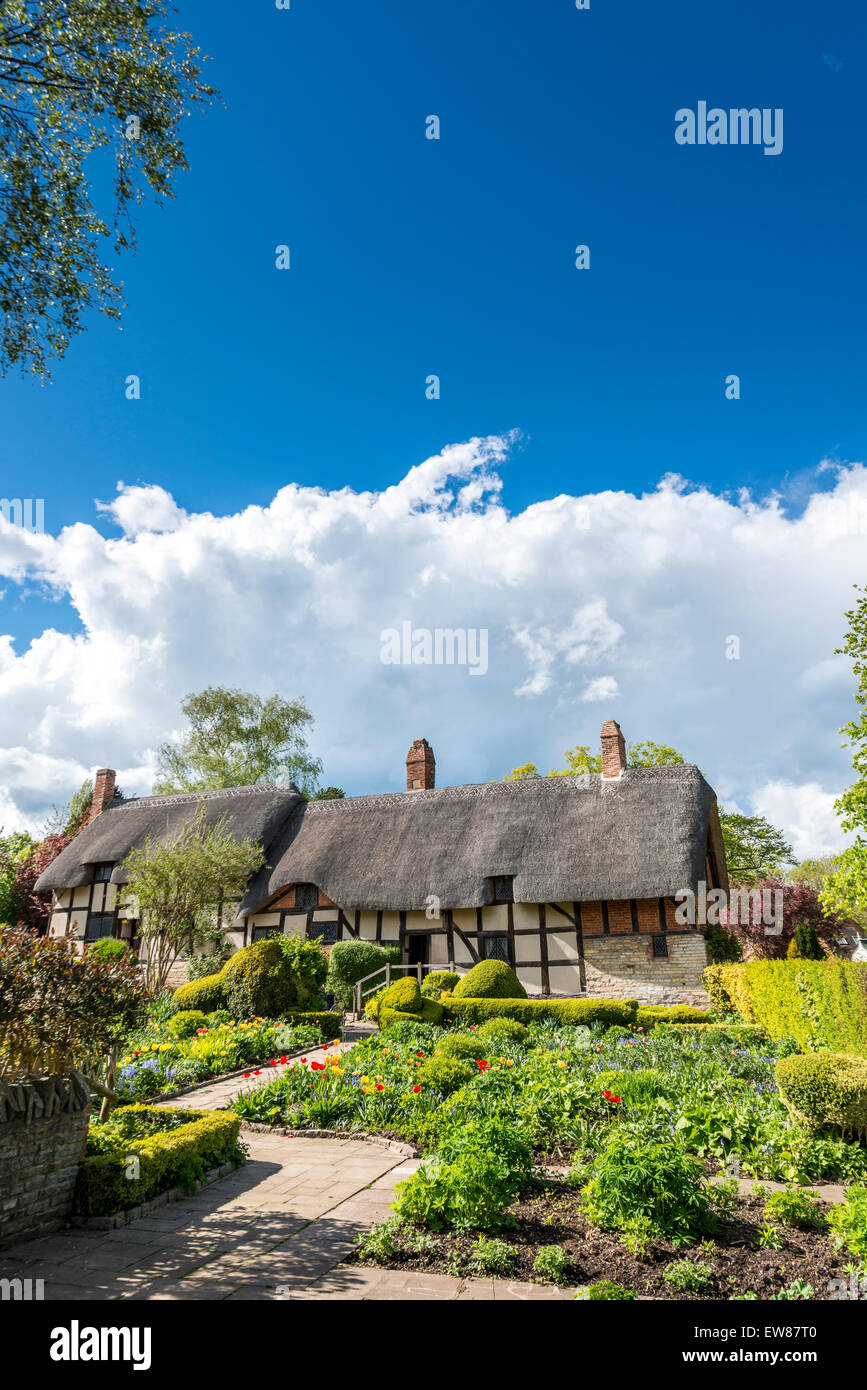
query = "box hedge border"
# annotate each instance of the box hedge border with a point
(103, 1185)
(565, 1011)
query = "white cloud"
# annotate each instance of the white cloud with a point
(805, 813)
(587, 600)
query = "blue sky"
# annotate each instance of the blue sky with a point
(455, 257)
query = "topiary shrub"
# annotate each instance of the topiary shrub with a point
(490, 979)
(649, 1015)
(461, 1045)
(404, 995)
(430, 1012)
(825, 1091)
(308, 968)
(351, 961)
(439, 982)
(503, 1030)
(446, 1074)
(259, 982)
(206, 994)
(187, 1022)
(564, 1011)
(108, 948)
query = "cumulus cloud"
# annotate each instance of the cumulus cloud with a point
(598, 604)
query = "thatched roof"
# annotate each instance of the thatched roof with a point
(256, 812)
(561, 838)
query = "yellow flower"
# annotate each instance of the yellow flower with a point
(510, 1064)
(562, 1065)
(365, 1080)
(366, 1089)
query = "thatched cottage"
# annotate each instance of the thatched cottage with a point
(571, 880)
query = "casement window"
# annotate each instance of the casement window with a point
(102, 872)
(660, 947)
(98, 927)
(501, 888)
(495, 946)
(306, 895)
(324, 932)
(262, 933)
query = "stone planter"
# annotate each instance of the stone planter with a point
(43, 1129)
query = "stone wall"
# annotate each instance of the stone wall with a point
(624, 967)
(43, 1128)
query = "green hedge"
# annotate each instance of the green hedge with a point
(433, 985)
(825, 1091)
(566, 1011)
(165, 1159)
(490, 979)
(649, 1015)
(206, 994)
(821, 1004)
(351, 961)
(329, 1024)
(429, 1012)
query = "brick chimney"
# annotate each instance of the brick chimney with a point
(613, 751)
(103, 791)
(420, 766)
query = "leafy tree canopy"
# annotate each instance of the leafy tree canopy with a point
(329, 794)
(580, 759)
(846, 888)
(755, 849)
(235, 739)
(82, 83)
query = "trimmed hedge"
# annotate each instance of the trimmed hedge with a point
(446, 1073)
(206, 994)
(825, 1091)
(821, 1004)
(502, 1030)
(438, 981)
(186, 1023)
(566, 1011)
(429, 1012)
(165, 1159)
(649, 1015)
(351, 961)
(329, 1024)
(402, 994)
(490, 979)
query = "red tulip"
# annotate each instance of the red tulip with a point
(416, 1089)
(379, 1086)
(284, 1060)
(482, 1064)
(246, 1074)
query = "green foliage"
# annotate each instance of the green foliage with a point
(553, 1265)
(109, 947)
(723, 947)
(490, 979)
(498, 1031)
(562, 1011)
(329, 794)
(258, 981)
(491, 1256)
(446, 1073)
(649, 1015)
(687, 1276)
(429, 1012)
(821, 1004)
(14, 849)
(793, 1292)
(351, 961)
(438, 982)
(794, 1206)
(59, 1009)
(235, 739)
(848, 1222)
(206, 993)
(70, 78)
(211, 962)
(825, 1091)
(134, 1163)
(403, 995)
(605, 1291)
(479, 1168)
(807, 942)
(377, 1246)
(845, 890)
(581, 760)
(653, 1183)
(186, 1023)
(328, 1022)
(469, 1046)
(178, 883)
(755, 849)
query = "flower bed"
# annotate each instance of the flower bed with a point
(492, 1108)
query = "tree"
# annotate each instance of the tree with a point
(78, 77)
(176, 889)
(13, 849)
(755, 849)
(802, 918)
(329, 794)
(846, 888)
(32, 909)
(236, 739)
(580, 759)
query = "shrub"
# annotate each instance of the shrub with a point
(825, 1091)
(654, 1184)
(723, 946)
(821, 1004)
(187, 1022)
(308, 967)
(476, 1173)
(553, 1265)
(439, 982)
(108, 947)
(848, 1221)
(563, 1011)
(605, 1291)
(403, 995)
(464, 1045)
(350, 961)
(807, 942)
(446, 1074)
(166, 1156)
(208, 962)
(686, 1277)
(220, 1016)
(328, 1022)
(503, 1030)
(493, 1256)
(430, 1012)
(490, 979)
(206, 994)
(649, 1015)
(792, 1206)
(258, 981)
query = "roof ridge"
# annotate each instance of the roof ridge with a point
(182, 798)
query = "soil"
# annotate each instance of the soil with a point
(550, 1213)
